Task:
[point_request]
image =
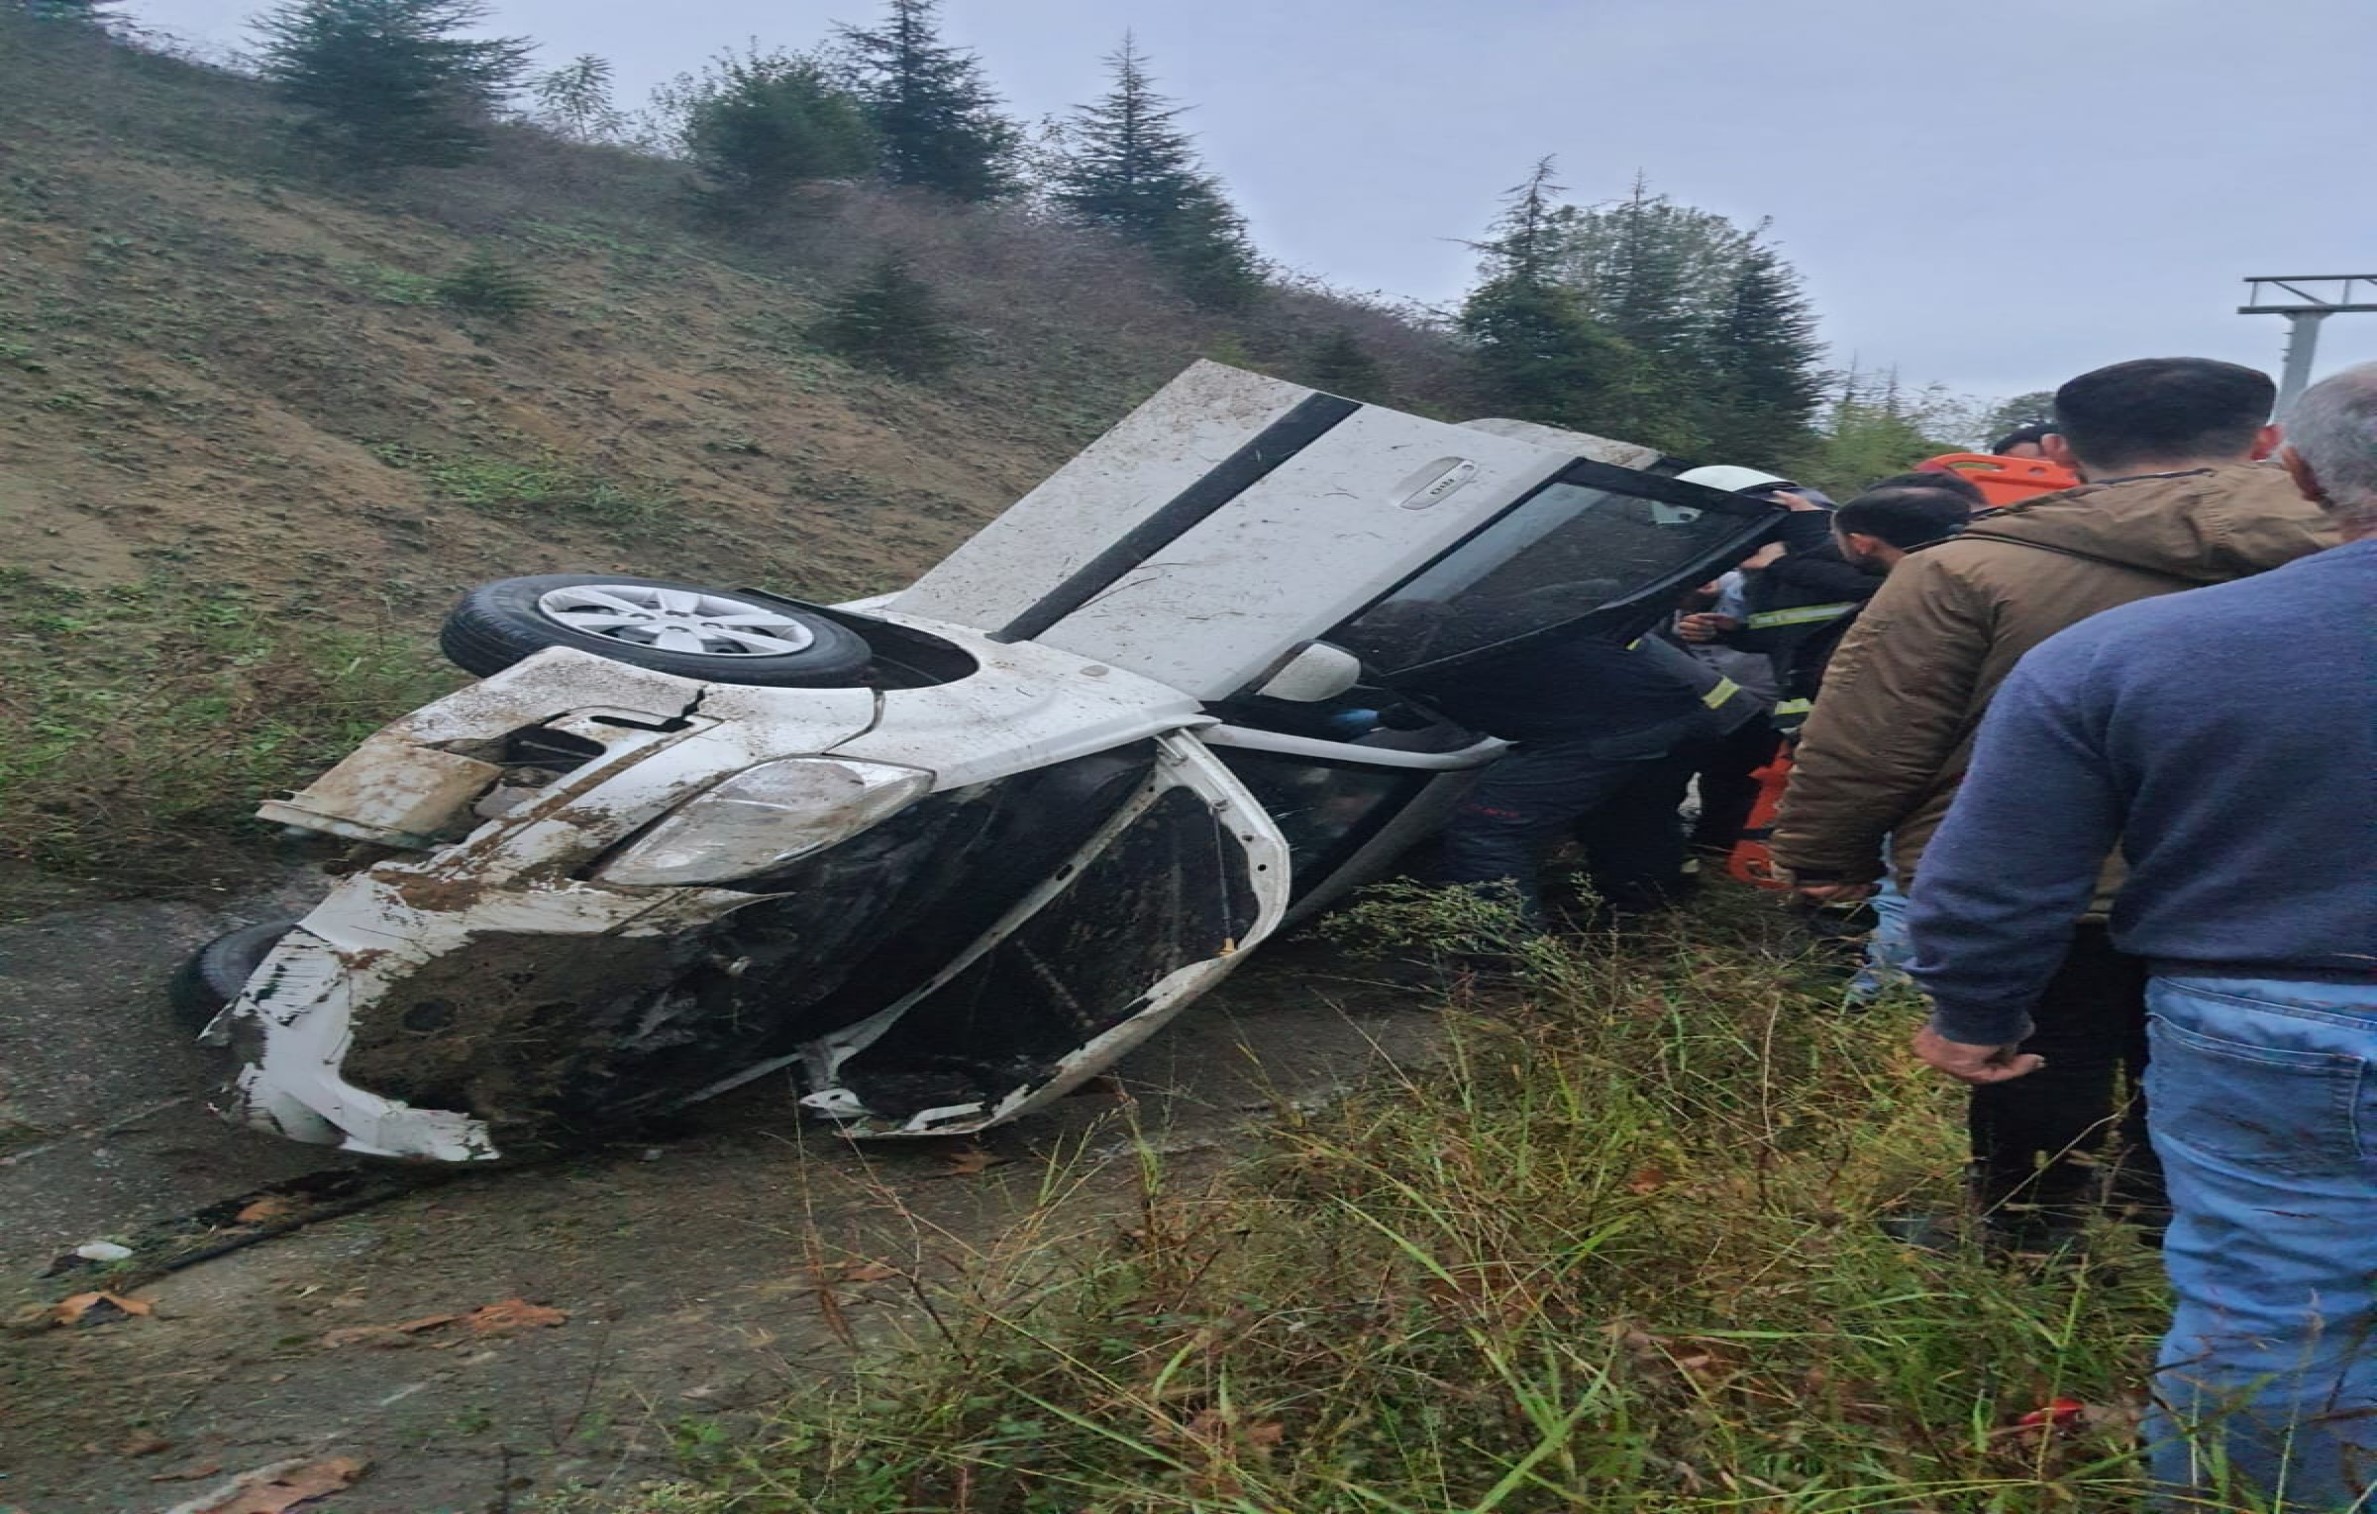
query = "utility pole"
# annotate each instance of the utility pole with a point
(2306, 300)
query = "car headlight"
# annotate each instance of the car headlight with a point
(764, 817)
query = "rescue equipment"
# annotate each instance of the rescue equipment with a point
(2003, 480)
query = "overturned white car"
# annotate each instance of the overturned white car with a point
(949, 853)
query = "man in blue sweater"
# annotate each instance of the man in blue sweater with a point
(2227, 739)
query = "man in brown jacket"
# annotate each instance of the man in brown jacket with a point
(2175, 497)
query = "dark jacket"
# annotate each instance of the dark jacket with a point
(1799, 608)
(1583, 685)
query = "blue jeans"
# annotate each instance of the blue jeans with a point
(1888, 950)
(2262, 1099)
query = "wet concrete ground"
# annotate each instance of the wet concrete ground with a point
(689, 1270)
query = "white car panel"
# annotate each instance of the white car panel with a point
(1322, 535)
(1195, 423)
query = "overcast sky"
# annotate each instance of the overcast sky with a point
(1992, 194)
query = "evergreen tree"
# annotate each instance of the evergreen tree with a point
(1762, 355)
(1342, 365)
(390, 83)
(1540, 354)
(1123, 165)
(2033, 409)
(1659, 276)
(759, 125)
(1874, 427)
(574, 101)
(936, 118)
(87, 11)
(890, 319)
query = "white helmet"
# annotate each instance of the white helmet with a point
(1733, 479)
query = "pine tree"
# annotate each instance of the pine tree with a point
(1342, 365)
(890, 319)
(391, 83)
(759, 125)
(1124, 166)
(574, 101)
(1763, 356)
(86, 11)
(936, 117)
(1874, 427)
(1540, 354)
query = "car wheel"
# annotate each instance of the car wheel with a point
(683, 629)
(215, 974)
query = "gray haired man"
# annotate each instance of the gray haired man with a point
(2227, 739)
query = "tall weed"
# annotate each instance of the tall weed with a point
(1617, 1252)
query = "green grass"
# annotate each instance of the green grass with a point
(547, 486)
(1618, 1252)
(139, 726)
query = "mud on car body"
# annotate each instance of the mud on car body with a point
(946, 854)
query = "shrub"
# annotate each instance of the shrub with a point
(487, 285)
(890, 320)
(758, 126)
(1342, 365)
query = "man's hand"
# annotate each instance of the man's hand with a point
(1705, 626)
(1976, 1064)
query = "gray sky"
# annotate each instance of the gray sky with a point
(1992, 194)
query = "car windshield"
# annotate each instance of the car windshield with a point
(1593, 538)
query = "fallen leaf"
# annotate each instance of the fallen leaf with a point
(72, 1311)
(512, 1314)
(190, 1473)
(278, 1489)
(972, 1161)
(270, 1207)
(385, 1335)
(144, 1445)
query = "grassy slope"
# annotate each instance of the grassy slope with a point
(247, 457)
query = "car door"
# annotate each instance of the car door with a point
(1223, 524)
(1595, 548)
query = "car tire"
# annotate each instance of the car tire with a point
(217, 972)
(734, 636)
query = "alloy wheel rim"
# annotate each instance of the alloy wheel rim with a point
(689, 622)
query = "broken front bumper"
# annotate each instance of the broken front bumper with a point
(959, 960)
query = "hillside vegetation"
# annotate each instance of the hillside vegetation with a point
(253, 440)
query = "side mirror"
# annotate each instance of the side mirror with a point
(1319, 672)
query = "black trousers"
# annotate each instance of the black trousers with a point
(1727, 791)
(2042, 1139)
(1619, 797)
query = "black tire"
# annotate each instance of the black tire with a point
(498, 624)
(214, 974)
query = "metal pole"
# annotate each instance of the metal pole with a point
(2302, 341)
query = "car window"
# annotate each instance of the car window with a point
(1594, 537)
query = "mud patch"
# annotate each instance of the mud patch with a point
(526, 1032)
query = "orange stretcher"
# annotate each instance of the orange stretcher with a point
(2003, 480)
(1751, 862)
